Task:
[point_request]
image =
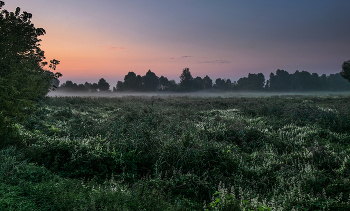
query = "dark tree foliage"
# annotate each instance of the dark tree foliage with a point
(119, 86)
(150, 81)
(228, 85)
(186, 80)
(69, 86)
(207, 82)
(198, 84)
(254, 82)
(219, 84)
(164, 83)
(305, 81)
(87, 85)
(103, 85)
(345, 70)
(94, 87)
(281, 81)
(337, 83)
(82, 88)
(173, 86)
(132, 82)
(22, 77)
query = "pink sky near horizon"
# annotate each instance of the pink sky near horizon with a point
(107, 39)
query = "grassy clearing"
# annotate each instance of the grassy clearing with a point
(181, 153)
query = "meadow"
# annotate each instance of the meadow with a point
(277, 152)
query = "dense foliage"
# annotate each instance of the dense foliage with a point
(22, 77)
(345, 72)
(181, 153)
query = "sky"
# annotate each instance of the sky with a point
(222, 39)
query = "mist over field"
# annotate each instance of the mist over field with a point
(204, 94)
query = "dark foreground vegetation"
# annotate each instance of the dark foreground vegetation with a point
(180, 153)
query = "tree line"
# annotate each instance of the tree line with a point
(281, 81)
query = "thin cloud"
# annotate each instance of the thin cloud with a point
(182, 57)
(112, 47)
(215, 62)
(116, 48)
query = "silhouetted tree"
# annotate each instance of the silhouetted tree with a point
(345, 70)
(256, 81)
(186, 80)
(267, 85)
(198, 83)
(130, 82)
(234, 85)
(243, 83)
(228, 85)
(301, 81)
(207, 82)
(337, 83)
(87, 85)
(281, 81)
(82, 88)
(323, 82)
(120, 86)
(163, 83)
(94, 87)
(150, 81)
(219, 84)
(173, 86)
(22, 77)
(103, 85)
(315, 84)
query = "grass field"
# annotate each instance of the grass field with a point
(181, 153)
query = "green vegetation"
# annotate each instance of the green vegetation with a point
(22, 77)
(180, 153)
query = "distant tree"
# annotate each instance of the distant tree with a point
(281, 81)
(323, 82)
(87, 85)
(207, 82)
(23, 79)
(267, 85)
(132, 82)
(315, 84)
(198, 83)
(119, 86)
(345, 72)
(138, 85)
(163, 83)
(228, 85)
(82, 88)
(150, 81)
(256, 81)
(94, 87)
(173, 86)
(186, 80)
(337, 83)
(234, 85)
(243, 84)
(301, 81)
(103, 85)
(219, 84)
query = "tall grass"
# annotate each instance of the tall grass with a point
(181, 153)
